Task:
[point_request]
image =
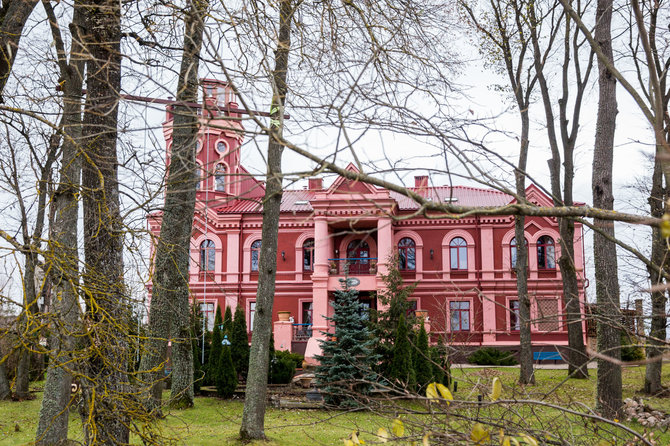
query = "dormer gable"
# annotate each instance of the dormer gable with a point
(537, 197)
(347, 186)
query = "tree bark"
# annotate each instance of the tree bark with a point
(169, 317)
(608, 389)
(562, 197)
(13, 17)
(62, 258)
(105, 389)
(255, 398)
(657, 199)
(657, 333)
(526, 372)
(5, 391)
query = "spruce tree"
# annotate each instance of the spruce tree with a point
(240, 343)
(345, 370)
(423, 367)
(402, 370)
(225, 376)
(215, 350)
(385, 323)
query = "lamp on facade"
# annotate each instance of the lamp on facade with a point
(431, 254)
(283, 255)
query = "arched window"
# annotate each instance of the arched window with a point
(546, 254)
(308, 255)
(198, 176)
(220, 177)
(512, 250)
(207, 256)
(458, 250)
(406, 254)
(255, 254)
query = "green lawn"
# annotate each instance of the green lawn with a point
(216, 422)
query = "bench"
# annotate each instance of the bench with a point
(547, 356)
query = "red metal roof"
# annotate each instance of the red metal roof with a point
(462, 196)
(298, 200)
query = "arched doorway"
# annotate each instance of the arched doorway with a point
(358, 257)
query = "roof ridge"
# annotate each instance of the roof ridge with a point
(458, 187)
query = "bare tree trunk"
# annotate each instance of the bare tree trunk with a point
(5, 391)
(31, 247)
(609, 390)
(13, 17)
(657, 332)
(105, 391)
(62, 258)
(169, 317)
(657, 199)
(577, 358)
(526, 372)
(255, 398)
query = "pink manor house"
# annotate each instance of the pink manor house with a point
(466, 286)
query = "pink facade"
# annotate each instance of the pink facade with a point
(463, 267)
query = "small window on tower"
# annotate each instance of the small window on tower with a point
(220, 177)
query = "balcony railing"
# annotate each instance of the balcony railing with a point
(302, 332)
(353, 265)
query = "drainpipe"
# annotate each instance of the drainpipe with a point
(478, 263)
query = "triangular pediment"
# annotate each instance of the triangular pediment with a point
(537, 197)
(347, 186)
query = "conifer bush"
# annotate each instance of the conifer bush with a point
(402, 368)
(225, 377)
(215, 350)
(492, 356)
(228, 323)
(423, 366)
(240, 343)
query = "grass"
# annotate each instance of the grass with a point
(215, 422)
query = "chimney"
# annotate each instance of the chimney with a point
(639, 317)
(315, 183)
(421, 181)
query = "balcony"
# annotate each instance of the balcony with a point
(355, 266)
(302, 332)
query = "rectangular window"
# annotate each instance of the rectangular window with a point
(514, 321)
(412, 306)
(460, 315)
(207, 311)
(252, 313)
(547, 314)
(308, 258)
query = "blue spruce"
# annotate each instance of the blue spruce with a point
(345, 372)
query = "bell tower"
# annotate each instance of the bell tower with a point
(220, 136)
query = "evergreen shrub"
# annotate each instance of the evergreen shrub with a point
(630, 350)
(282, 368)
(239, 340)
(492, 356)
(225, 377)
